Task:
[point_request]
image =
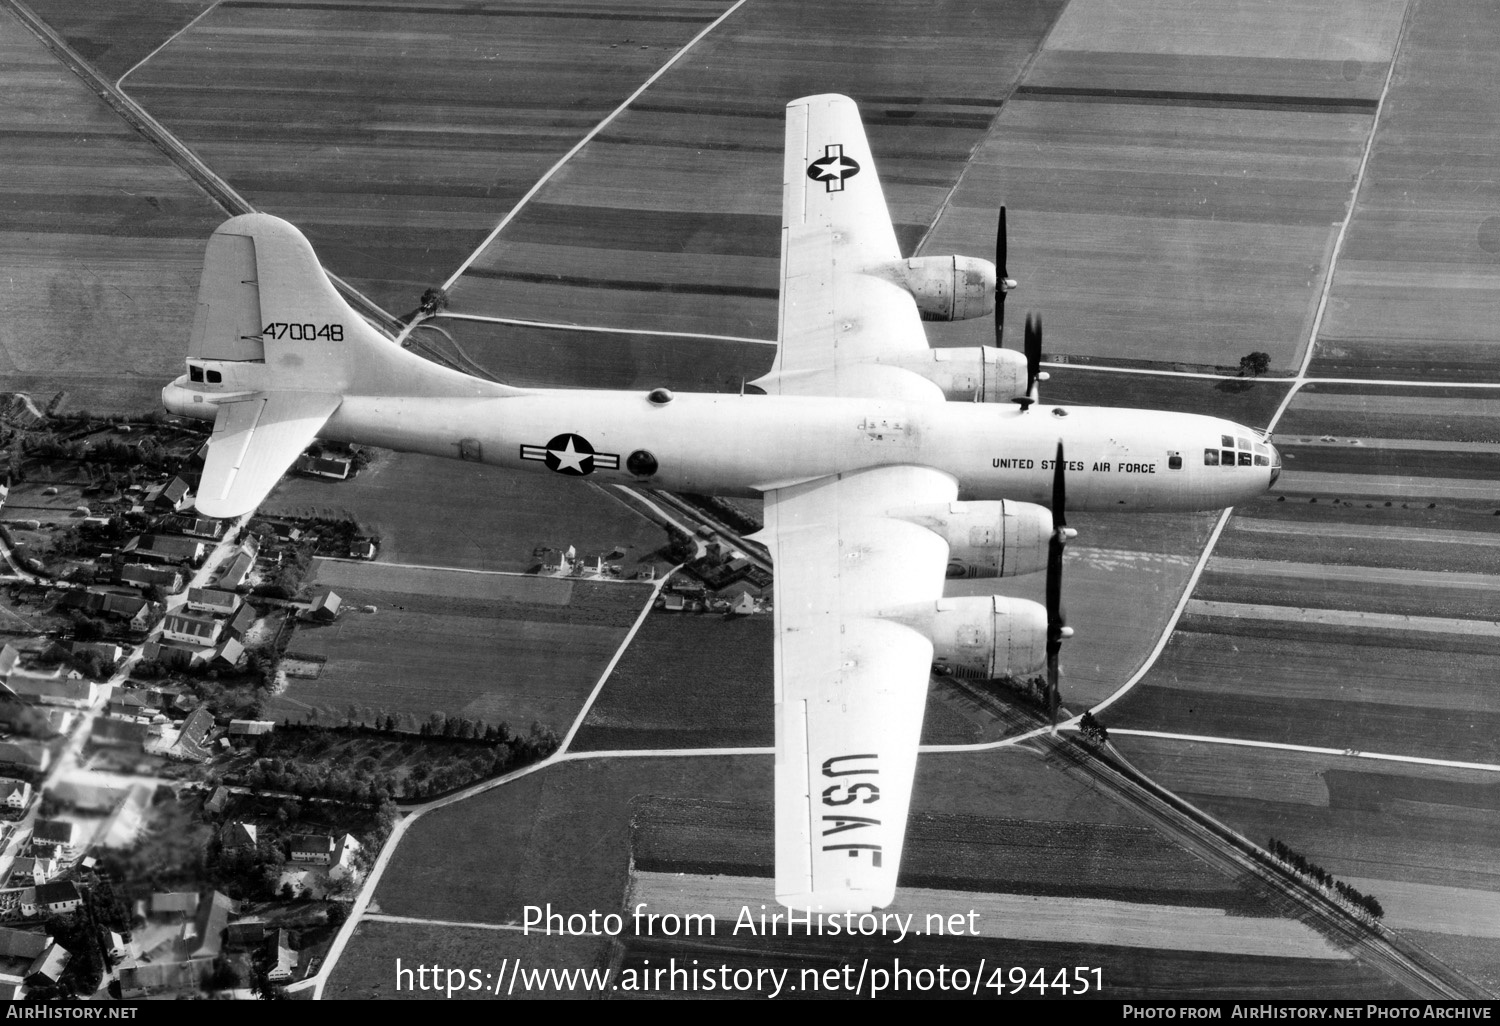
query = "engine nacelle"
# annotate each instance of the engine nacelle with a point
(986, 636)
(949, 288)
(993, 375)
(988, 539)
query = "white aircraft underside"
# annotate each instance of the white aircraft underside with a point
(878, 480)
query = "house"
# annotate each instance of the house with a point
(33, 870)
(315, 848)
(192, 629)
(336, 469)
(165, 548)
(15, 794)
(250, 728)
(216, 801)
(55, 836)
(238, 834)
(18, 949)
(206, 931)
(128, 704)
(107, 733)
(118, 949)
(174, 495)
(26, 902)
(342, 862)
(242, 620)
(281, 960)
(195, 526)
(49, 965)
(245, 934)
(58, 896)
(25, 754)
(140, 575)
(213, 600)
(164, 978)
(324, 607)
(192, 737)
(176, 654)
(229, 655)
(236, 570)
(78, 693)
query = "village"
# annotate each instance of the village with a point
(139, 642)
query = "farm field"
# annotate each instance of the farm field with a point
(101, 239)
(668, 219)
(490, 647)
(1416, 295)
(114, 37)
(367, 970)
(1418, 838)
(485, 519)
(395, 148)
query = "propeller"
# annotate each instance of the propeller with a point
(1003, 283)
(1032, 347)
(1057, 628)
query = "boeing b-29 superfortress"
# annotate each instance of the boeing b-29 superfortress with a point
(885, 467)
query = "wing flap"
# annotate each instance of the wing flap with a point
(254, 442)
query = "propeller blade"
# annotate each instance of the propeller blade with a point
(1000, 285)
(1057, 628)
(1033, 349)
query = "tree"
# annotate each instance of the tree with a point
(434, 301)
(1255, 364)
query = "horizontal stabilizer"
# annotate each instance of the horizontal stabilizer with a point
(253, 444)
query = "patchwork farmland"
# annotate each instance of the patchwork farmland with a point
(492, 647)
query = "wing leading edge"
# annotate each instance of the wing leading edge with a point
(851, 679)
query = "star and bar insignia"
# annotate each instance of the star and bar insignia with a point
(832, 168)
(572, 455)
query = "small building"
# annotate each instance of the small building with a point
(342, 862)
(33, 870)
(165, 548)
(143, 576)
(112, 733)
(236, 570)
(139, 981)
(26, 755)
(229, 655)
(213, 600)
(54, 835)
(192, 629)
(324, 608)
(314, 848)
(192, 738)
(243, 619)
(174, 495)
(14, 794)
(194, 526)
(77, 693)
(216, 801)
(49, 965)
(245, 935)
(21, 944)
(176, 654)
(206, 932)
(281, 960)
(238, 834)
(333, 468)
(58, 896)
(250, 728)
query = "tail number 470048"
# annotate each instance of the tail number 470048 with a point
(303, 332)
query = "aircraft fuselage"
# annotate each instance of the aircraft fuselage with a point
(744, 445)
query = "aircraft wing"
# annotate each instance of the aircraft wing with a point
(851, 681)
(841, 306)
(254, 442)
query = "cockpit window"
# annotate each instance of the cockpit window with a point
(1210, 457)
(1227, 441)
(1262, 461)
(1246, 459)
(1228, 457)
(214, 377)
(1174, 461)
(195, 373)
(1244, 443)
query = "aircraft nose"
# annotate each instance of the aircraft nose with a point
(1275, 463)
